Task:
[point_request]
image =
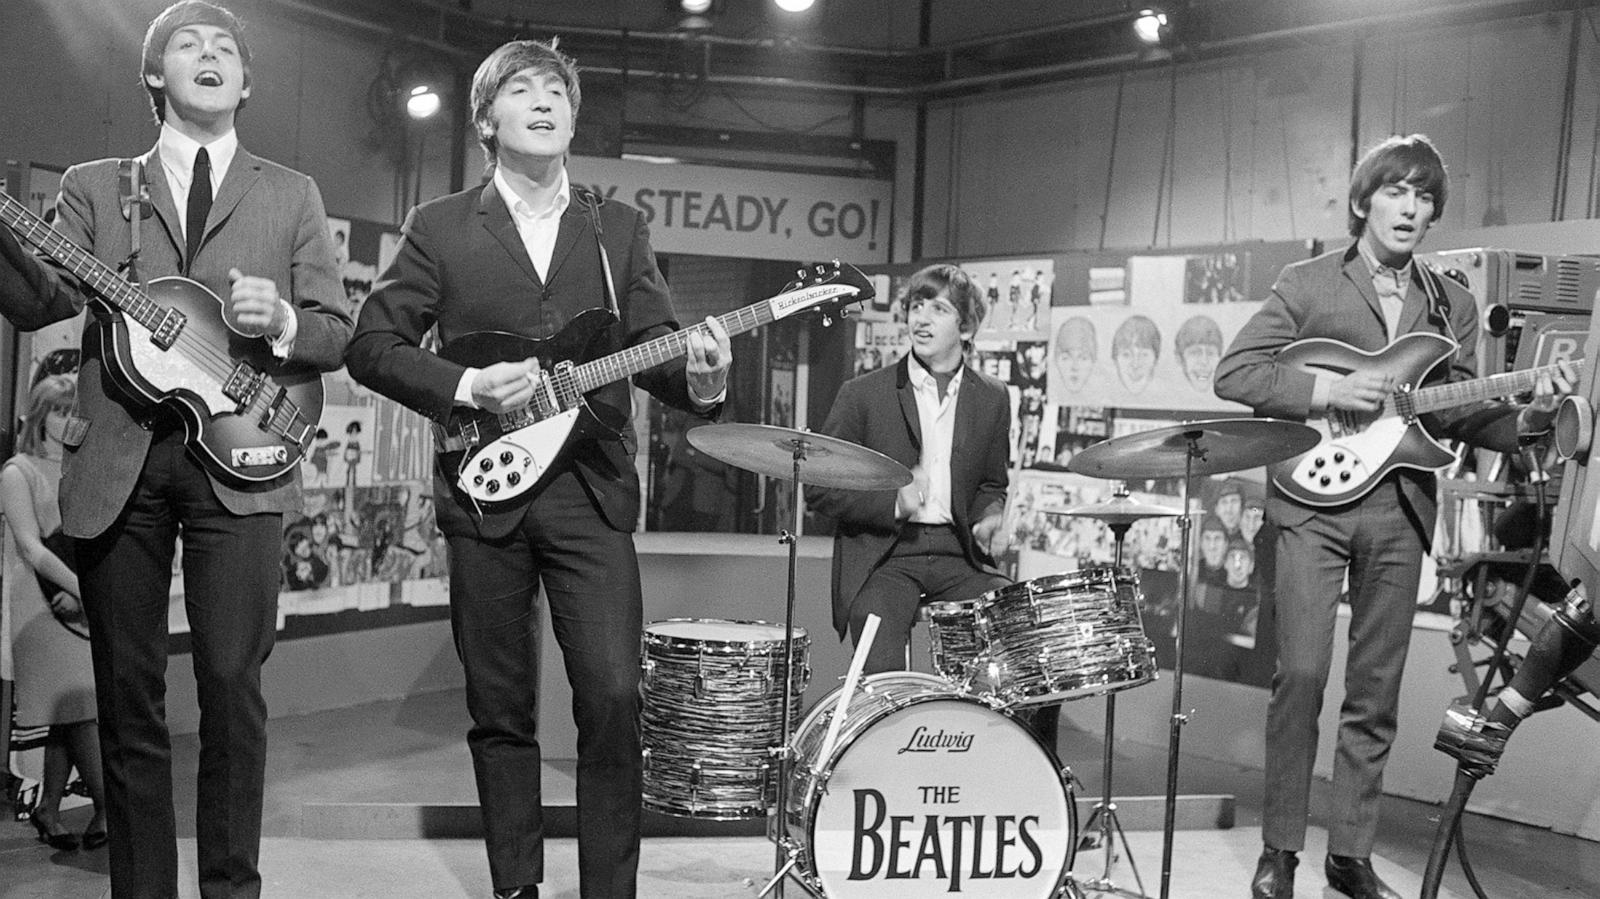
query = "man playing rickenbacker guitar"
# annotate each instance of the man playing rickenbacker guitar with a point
(131, 485)
(533, 256)
(1364, 296)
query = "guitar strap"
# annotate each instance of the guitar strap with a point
(591, 203)
(1438, 303)
(135, 196)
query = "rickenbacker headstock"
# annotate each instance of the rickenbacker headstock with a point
(829, 288)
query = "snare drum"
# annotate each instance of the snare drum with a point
(1067, 635)
(955, 640)
(712, 716)
(926, 792)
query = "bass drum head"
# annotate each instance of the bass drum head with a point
(942, 795)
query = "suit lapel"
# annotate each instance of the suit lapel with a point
(908, 402)
(574, 224)
(497, 221)
(1416, 303)
(1355, 269)
(243, 173)
(155, 177)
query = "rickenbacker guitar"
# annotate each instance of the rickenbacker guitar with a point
(169, 344)
(498, 458)
(1358, 449)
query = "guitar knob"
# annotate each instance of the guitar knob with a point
(1338, 458)
(477, 481)
(486, 465)
(493, 487)
(505, 457)
(1344, 475)
(1325, 480)
(1318, 462)
(513, 478)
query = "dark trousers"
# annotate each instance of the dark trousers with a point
(591, 581)
(230, 574)
(1382, 547)
(926, 565)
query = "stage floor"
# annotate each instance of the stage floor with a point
(336, 779)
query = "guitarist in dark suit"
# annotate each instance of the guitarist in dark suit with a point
(1365, 295)
(526, 253)
(130, 485)
(936, 538)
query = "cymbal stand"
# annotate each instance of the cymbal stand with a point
(1105, 811)
(1179, 719)
(786, 856)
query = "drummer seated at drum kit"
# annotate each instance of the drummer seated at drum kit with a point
(935, 539)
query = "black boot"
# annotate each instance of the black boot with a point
(1354, 877)
(1274, 874)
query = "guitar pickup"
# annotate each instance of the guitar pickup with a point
(243, 385)
(166, 331)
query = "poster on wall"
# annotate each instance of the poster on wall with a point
(1155, 342)
(364, 550)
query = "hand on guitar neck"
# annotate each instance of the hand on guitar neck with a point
(1551, 385)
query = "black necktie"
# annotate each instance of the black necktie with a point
(199, 206)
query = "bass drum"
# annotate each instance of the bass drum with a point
(926, 792)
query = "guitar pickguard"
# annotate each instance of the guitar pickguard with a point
(515, 461)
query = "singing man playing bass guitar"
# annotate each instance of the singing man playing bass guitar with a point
(1363, 296)
(254, 236)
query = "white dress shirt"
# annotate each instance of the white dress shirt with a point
(177, 152)
(937, 417)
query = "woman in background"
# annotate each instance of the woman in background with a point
(55, 678)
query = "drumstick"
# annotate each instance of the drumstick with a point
(858, 662)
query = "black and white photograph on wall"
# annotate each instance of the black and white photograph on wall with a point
(879, 344)
(1222, 277)
(1017, 295)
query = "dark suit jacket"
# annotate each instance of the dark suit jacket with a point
(267, 221)
(462, 268)
(1332, 296)
(879, 411)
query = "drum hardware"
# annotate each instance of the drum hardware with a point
(1187, 450)
(1118, 513)
(830, 462)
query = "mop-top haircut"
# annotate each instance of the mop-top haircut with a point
(164, 26)
(958, 287)
(504, 63)
(1398, 160)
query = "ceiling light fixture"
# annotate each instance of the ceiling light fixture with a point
(1151, 26)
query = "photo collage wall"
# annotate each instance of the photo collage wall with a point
(1100, 346)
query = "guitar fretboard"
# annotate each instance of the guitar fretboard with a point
(629, 362)
(1460, 393)
(96, 274)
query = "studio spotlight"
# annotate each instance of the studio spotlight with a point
(423, 102)
(695, 7)
(794, 5)
(1151, 26)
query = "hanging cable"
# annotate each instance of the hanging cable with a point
(1111, 157)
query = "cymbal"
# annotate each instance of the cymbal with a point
(825, 461)
(1117, 510)
(1219, 446)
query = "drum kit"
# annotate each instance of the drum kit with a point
(903, 783)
